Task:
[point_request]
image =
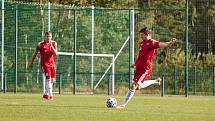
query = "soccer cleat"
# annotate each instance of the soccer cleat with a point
(46, 97)
(158, 80)
(51, 98)
(120, 107)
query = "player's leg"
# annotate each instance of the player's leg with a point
(48, 81)
(45, 95)
(129, 95)
(140, 73)
(147, 83)
(53, 73)
(50, 88)
(46, 90)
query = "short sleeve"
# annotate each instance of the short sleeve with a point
(155, 44)
(54, 44)
(38, 47)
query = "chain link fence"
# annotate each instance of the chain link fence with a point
(103, 31)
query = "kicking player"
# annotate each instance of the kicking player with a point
(143, 64)
(48, 51)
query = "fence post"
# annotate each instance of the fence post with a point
(195, 80)
(92, 46)
(186, 51)
(26, 59)
(131, 44)
(16, 49)
(2, 44)
(74, 59)
(174, 78)
(213, 81)
(5, 83)
(162, 94)
(60, 80)
(49, 15)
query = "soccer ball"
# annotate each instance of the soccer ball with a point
(111, 102)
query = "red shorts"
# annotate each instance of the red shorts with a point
(141, 74)
(49, 71)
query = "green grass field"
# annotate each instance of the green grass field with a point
(31, 107)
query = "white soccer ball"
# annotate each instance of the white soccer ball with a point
(111, 102)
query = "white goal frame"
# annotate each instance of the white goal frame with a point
(92, 79)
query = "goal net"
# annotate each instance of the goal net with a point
(82, 73)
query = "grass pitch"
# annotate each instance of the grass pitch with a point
(31, 107)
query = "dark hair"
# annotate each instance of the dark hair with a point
(47, 33)
(145, 30)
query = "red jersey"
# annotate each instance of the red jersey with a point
(147, 51)
(47, 57)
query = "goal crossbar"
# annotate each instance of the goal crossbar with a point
(86, 54)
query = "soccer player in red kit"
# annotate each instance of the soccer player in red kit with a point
(48, 52)
(143, 64)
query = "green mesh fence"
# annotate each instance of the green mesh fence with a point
(30, 21)
(26, 23)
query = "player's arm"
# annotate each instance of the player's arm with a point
(134, 64)
(167, 44)
(30, 64)
(54, 49)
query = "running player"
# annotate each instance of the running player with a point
(48, 52)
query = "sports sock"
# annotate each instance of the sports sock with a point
(128, 97)
(46, 87)
(148, 83)
(50, 88)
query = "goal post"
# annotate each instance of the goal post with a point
(112, 63)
